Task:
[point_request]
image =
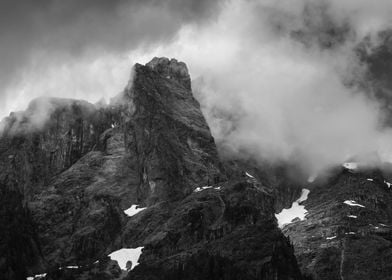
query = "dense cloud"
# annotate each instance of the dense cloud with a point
(47, 36)
(278, 80)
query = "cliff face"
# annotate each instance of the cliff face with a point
(33, 149)
(166, 134)
(347, 233)
(67, 176)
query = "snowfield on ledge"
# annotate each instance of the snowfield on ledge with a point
(296, 210)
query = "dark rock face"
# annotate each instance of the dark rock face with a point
(226, 232)
(166, 135)
(19, 246)
(278, 179)
(51, 142)
(339, 241)
(171, 69)
(68, 174)
(33, 148)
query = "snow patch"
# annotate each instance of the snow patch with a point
(199, 189)
(133, 210)
(369, 179)
(250, 176)
(124, 255)
(296, 210)
(352, 203)
(69, 267)
(352, 216)
(38, 276)
(351, 232)
(332, 237)
(388, 184)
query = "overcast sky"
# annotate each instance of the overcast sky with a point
(269, 73)
(82, 48)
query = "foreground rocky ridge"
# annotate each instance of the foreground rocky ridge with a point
(65, 181)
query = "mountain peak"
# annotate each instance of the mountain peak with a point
(171, 69)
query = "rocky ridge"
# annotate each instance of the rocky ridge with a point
(67, 176)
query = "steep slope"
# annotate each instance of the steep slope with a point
(33, 148)
(347, 233)
(166, 133)
(79, 166)
(226, 232)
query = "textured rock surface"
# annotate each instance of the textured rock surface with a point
(226, 232)
(167, 136)
(33, 149)
(67, 175)
(339, 241)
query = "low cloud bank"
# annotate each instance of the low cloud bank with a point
(277, 80)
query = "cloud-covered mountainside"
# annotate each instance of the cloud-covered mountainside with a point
(298, 81)
(70, 186)
(138, 189)
(274, 162)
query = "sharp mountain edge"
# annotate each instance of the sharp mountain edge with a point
(66, 177)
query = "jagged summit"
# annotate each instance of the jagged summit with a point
(171, 69)
(170, 66)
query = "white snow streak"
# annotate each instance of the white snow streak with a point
(352, 203)
(199, 189)
(38, 276)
